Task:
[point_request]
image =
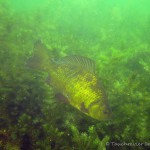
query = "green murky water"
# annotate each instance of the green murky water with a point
(115, 34)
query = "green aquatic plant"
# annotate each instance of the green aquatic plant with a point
(30, 111)
(87, 140)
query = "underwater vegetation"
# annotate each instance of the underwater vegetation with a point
(32, 116)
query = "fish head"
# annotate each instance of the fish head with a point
(99, 111)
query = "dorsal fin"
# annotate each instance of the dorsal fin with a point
(79, 61)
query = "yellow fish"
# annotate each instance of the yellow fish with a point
(74, 77)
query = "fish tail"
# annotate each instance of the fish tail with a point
(40, 58)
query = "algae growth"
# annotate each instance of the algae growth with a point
(115, 34)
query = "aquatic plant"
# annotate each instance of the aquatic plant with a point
(31, 114)
(87, 140)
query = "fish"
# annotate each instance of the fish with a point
(75, 78)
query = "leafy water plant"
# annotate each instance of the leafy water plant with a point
(32, 116)
(87, 140)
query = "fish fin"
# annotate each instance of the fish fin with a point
(61, 98)
(40, 59)
(80, 62)
(83, 108)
